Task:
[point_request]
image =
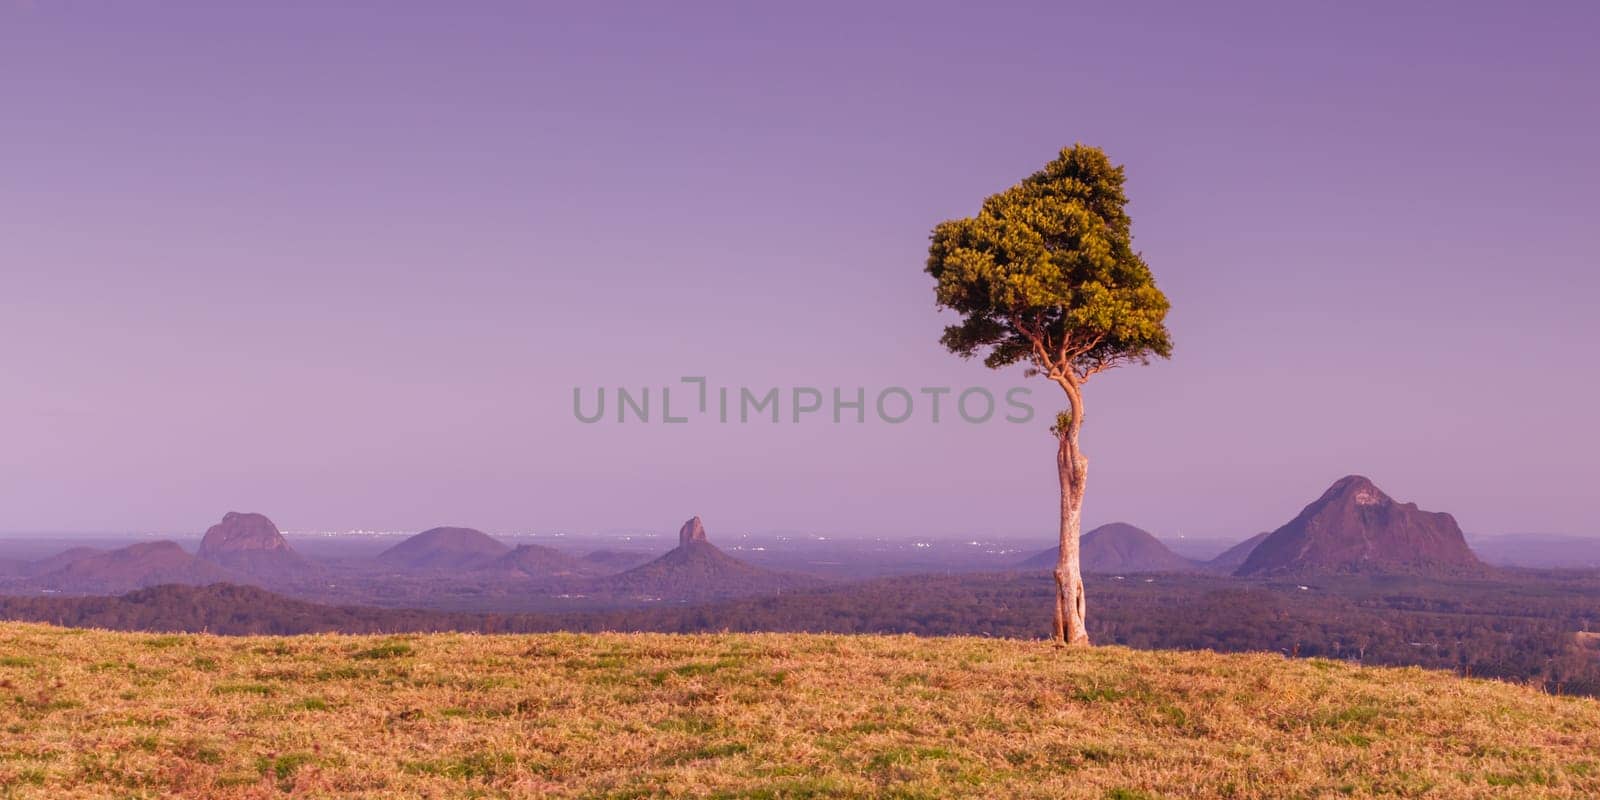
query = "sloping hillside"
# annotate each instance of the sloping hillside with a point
(638, 715)
(1229, 560)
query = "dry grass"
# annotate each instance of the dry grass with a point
(91, 714)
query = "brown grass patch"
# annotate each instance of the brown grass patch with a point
(760, 716)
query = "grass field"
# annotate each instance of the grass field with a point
(92, 714)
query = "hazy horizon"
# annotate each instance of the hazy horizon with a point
(346, 269)
(1044, 537)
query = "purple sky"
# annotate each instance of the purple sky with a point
(344, 267)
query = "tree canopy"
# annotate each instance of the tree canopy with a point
(1046, 274)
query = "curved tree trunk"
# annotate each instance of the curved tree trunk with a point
(1073, 468)
(1070, 604)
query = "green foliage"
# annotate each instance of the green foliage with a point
(283, 767)
(1046, 274)
(383, 651)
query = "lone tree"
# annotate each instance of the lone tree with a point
(1046, 274)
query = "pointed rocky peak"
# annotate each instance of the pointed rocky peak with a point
(242, 532)
(691, 532)
(1354, 527)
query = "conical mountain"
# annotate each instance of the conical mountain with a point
(697, 570)
(445, 548)
(1117, 547)
(1355, 528)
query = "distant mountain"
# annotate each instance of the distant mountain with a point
(1117, 547)
(538, 561)
(445, 548)
(697, 570)
(1355, 528)
(1234, 557)
(251, 545)
(49, 564)
(133, 567)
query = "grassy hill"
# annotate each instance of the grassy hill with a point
(87, 713)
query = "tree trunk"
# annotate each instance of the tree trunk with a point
(1070, 605)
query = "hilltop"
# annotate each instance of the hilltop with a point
(445, 548)
(769, 715)
(1117, 547)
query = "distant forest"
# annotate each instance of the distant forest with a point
(1518, 629)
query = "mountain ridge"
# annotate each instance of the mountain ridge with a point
(136, 566)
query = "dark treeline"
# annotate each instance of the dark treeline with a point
(1520, 628)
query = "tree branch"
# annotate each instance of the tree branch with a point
(1035, 338)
